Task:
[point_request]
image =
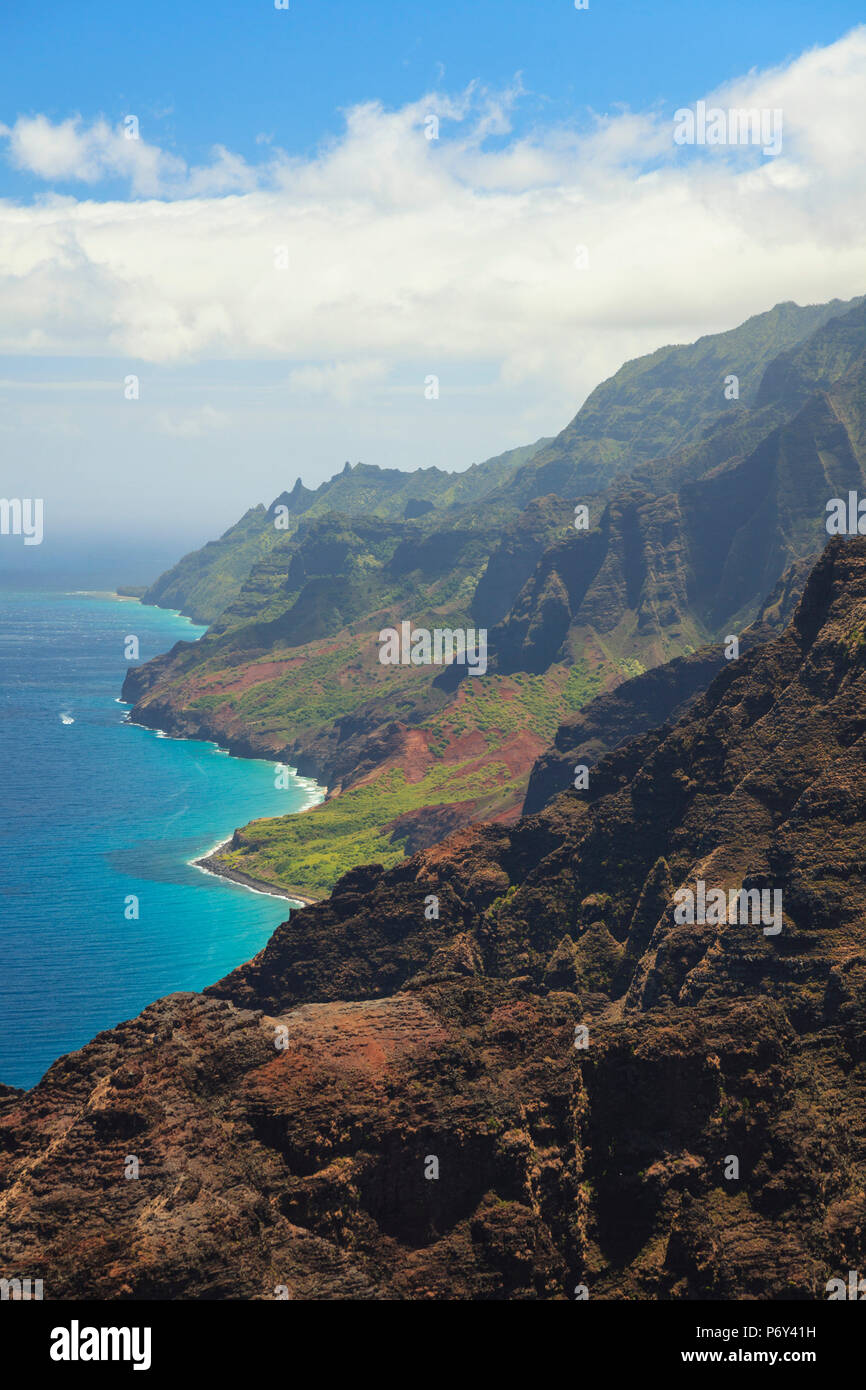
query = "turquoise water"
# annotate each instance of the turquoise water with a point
(92, 810)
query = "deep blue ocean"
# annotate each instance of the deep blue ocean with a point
(93, 809)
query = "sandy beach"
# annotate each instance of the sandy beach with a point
(210, 864)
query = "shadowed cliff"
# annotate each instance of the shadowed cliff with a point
(389, 1102)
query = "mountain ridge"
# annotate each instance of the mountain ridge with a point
(290, 669)
(583, 1068)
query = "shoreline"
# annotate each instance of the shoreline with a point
(209, 864)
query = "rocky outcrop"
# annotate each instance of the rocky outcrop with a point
(505, 1069)
(659, 696)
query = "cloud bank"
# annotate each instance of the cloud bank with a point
(388, 247)
(285, 315)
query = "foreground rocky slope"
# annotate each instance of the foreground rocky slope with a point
(657, 697)
(389, 1101)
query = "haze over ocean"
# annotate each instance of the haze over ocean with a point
(95, 809)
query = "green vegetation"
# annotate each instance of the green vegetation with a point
(208, 581)
(310, 851)
(665, 402)
(291, 662)
(584, 683)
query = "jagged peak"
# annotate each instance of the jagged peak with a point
(840, 572)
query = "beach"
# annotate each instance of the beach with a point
(210, 864)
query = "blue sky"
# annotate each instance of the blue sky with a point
(199, 72)
(283, 257)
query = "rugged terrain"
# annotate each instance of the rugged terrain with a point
(698, 504)
(393, 1100)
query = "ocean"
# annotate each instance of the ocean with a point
(94, 810)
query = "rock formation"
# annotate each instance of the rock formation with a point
(503, 1068)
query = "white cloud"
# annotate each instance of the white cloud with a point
(72, 152)
(342, 381)
(400, 250)
(69, 151)
(191, 424)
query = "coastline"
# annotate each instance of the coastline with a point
(210, 864)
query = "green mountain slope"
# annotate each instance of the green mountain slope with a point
(659, 404)
(204, 583)
(682, 552)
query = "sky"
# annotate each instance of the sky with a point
(237, 241)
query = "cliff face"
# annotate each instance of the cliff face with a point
(659, 696)
(208, 581)
(664, 570)
(681, 552)
(294, 675)
(395, 1098)
(667, 407)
